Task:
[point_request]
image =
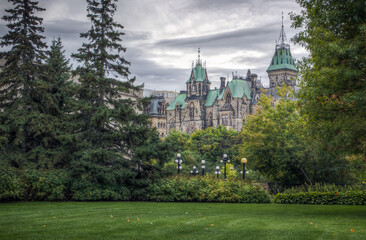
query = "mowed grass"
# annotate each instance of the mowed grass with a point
(148, 220)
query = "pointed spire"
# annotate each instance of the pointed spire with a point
(199, 57)
(282, 40)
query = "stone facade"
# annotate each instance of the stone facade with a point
(157, 115)
(200, 107)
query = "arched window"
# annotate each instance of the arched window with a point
(210, 120)
(191, 111)
(194, 88)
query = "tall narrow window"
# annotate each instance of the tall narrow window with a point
(191, 111)
(228, 98)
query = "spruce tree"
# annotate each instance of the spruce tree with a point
(24, 126)
(109, 129)
(59, 86)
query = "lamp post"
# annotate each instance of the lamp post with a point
(217, 171)
(203, 167)
(243, 161)
(194, 171)
(225, 160)
(179, 162)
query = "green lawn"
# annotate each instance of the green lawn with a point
(146, 220)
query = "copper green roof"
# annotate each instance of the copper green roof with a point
(199, 74)
(282, 59)
(178, 100)
(239, 87)
(211, 97)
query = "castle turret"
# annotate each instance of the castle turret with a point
(282, 69)
(198, 83)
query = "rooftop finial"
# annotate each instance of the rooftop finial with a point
(199, 56)
(282, 40)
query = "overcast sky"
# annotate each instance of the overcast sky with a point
(162, 36)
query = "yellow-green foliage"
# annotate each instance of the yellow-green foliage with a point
(205, 189)
(231, 173)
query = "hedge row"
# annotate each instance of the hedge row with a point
(323, 198)
(204, 189)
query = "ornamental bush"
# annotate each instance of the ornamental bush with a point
(11, 187)
(205, 189)
(355, 197)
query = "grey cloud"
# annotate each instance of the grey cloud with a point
(66, 28)
(238, 39)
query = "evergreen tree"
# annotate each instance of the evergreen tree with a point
(62, 103)
(109, 130)
(24, 126)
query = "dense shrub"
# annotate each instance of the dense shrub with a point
(45, 185)
(100, 195)
(323, 198)
(11, 187)
(205, 189)
(32, 184)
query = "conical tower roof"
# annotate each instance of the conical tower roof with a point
(282, 58)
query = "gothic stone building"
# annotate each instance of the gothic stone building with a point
(200, 107)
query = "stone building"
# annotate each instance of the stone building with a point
(200, 107)
(157, 109)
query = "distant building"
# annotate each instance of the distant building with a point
(160, 100)
(200, 107)
(282, 70)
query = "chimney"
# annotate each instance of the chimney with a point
(222, 79)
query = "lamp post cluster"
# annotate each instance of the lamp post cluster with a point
(194, 171)
(179, 161)
(203, 167)
(224, 160)
(217, 171)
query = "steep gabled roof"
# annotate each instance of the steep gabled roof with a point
(211, 97)
(239, 88)
(178, 100)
